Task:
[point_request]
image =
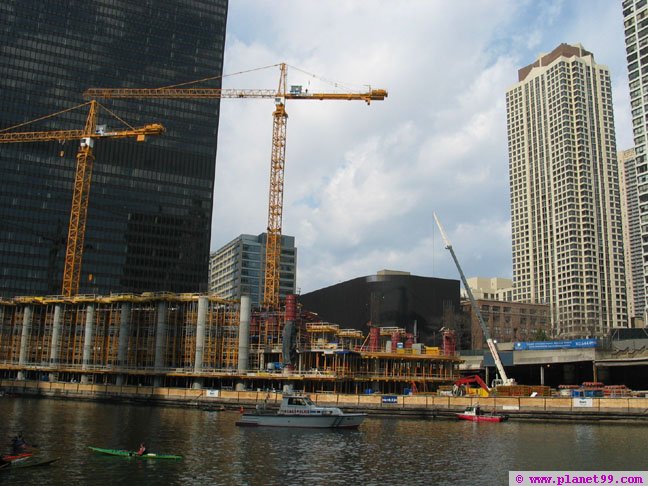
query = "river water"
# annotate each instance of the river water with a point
(383, 451)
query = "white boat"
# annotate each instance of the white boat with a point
(297, 410)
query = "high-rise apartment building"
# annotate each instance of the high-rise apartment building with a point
(150, 209)
(565, 203)
(237, 268)
(631, 236)
(635, 16)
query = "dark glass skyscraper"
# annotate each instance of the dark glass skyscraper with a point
(149, 216)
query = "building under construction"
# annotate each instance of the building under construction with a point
(203, 341)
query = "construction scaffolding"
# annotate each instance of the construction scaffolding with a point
(151, 333)
(192, 340)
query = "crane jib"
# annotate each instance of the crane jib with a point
(217, 93)
(275, 207)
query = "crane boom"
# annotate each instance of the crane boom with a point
(492, 346)
(61, 135)
(82, 180)
(216, 93)
(278, 156)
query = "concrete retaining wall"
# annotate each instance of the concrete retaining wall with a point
(426, 405)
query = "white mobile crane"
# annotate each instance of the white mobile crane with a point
(492, 346)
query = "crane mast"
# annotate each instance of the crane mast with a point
(275, 200)
(492, 346)
(79, 208)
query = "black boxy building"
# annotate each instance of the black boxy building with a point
(389, 299)
(150, 209)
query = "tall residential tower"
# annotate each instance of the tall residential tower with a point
(150, 205)
(631, 236)
(635, 16)
(565, 203)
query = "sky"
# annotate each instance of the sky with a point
(362, 182)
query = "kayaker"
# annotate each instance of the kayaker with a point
(18, 444)
(142, 449)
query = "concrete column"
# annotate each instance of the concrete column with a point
(203, 307)
(542, 371)
(244, 334)
(24, 339)
(87, 341)
(124, 334)
(56, 341)
(160, 340)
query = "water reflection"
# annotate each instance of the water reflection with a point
(382, 451)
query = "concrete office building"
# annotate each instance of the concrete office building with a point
(237, 268)
(507, 321)
(565, 203)
(150, 204)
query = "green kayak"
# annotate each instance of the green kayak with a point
(148, 455)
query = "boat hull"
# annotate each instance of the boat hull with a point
(123, 453)
(31, 462)
(482, 418)
(17, 457)
(345, 421)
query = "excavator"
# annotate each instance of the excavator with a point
(460, 388)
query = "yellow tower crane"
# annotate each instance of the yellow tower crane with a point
(82, 178)
(278, 156)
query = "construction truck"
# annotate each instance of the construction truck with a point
(502, 379)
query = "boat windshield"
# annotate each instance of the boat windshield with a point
(303, 401)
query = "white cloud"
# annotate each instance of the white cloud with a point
(361, 182)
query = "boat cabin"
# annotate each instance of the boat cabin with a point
(302, 401)
(297, 404)
(474, 410)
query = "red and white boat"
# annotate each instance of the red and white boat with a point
(476, 414)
